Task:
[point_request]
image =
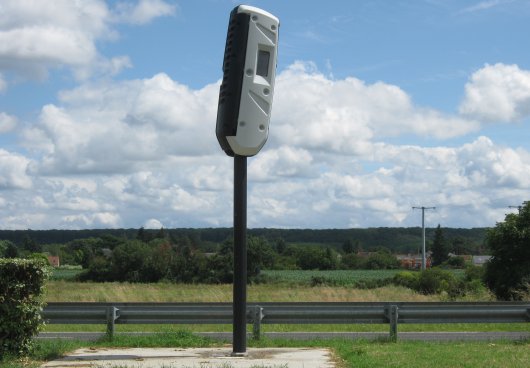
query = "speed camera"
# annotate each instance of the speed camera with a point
(247, 89)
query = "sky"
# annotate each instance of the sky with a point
(108, 113)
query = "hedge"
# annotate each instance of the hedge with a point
(21, 301)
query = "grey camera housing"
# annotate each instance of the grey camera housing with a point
(247, 89)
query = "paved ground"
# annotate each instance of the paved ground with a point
(195, 358)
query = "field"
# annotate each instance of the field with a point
(336, 277)
(65, 273)
(287, 286)
(277, 286)
(63, 291)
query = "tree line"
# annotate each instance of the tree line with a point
(397, 240)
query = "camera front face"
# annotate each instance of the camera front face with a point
(246, 93)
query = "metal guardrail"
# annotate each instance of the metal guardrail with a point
(392, 313)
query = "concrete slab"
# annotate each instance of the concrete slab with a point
(195, 358)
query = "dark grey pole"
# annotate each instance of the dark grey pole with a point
(423, 257)
(240, 256)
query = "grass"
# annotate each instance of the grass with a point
(442, 327)
(63, 291)
(67, 274)
(336, 277)
(348, 353)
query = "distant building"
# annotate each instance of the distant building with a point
(54, 261)
(480, 260)
(413, 262)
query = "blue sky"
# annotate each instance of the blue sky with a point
(107, 114)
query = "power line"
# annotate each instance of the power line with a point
(423, 258)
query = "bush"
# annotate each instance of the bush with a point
(455, 262)
(436, 280)
(406, 279)
(21, 289)
(382, 261)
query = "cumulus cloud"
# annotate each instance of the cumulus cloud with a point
(316, 112)
(153, 224)
(498, 93)
(36, 36)
(144, 11)
(7, 122)
(13, 168)
(143, 152)
(123, 126)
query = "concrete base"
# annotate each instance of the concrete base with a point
(195, 358)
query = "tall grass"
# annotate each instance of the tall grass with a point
(62, 291)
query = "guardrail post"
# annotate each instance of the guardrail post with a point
(392, 315)
(112, 316)
(256, 319)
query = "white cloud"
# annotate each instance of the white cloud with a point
(498, 93)
(143, 152)
(144, 11)
(94, 221)
(315, 112)
(124, 126)
(13, 168)
(7, 122)
(153, 224)
(36, 36)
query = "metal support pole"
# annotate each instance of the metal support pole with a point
(112, 316)
(423, 258)
(240, 256)
(258, 316)
(423, 255)
(393, 317)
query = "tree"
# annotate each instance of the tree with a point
(260, 255)
(347, 246)
(440, 251)
(11, 251)
(281, 245)
(382, 260)
(508, 272)
(31, 245)
(128, 259)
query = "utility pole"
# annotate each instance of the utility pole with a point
(423, 257)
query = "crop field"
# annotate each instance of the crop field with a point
(335, 277)
(65, 273)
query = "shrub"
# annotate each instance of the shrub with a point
(455, 262)
(436, 280)
(406, 279)
(21, 289)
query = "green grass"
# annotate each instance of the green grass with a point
(348, 353)
(336, 277)
(415, 354)
(67, 274)
(442, 327)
